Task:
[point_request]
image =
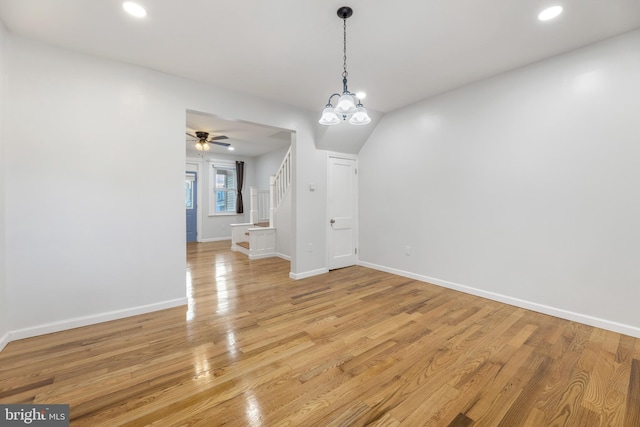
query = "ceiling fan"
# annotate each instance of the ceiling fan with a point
(203, 140)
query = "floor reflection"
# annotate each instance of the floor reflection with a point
(222, 291)
(190, 298)
(201, 362)
(223, 295)
(252, 411)
(231, 343)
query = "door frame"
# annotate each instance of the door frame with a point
(356, 221)
(195, 165)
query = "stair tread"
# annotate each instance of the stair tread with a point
(243, 244)
(261, 224)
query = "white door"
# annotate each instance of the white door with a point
(342, 209)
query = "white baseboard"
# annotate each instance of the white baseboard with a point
(283, 256)
(77, 322)
(4, 341)
(304, 275)
(540, 308)
(214, 239)
(261, 256)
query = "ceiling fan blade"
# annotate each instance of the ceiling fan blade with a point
(216, 138)
(224, 144)
(192, 136)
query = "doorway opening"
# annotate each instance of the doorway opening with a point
(261, 149)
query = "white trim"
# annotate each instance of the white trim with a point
(339, 155)
(77, 322)
(356, 221)
(261, 256)
(283, 256)
(305, 274)
(222, 163)
(211, 189)
(215, 239)
(540, 308)
(198, 164)
(4, 340)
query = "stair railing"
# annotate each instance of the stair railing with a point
(283, 179)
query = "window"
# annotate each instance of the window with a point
(224, 187)
(188, 187)
(188, 200)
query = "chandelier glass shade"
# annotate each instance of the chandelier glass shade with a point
(348, 105)
(329, 116)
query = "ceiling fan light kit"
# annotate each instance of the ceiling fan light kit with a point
(203, 142)
(348, 105)
(202, 146)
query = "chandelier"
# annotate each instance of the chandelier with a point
(348, 105)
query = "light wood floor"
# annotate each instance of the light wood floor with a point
(352, 347)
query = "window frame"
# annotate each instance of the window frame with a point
(215, 166)
(190, 177)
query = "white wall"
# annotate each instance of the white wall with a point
(267, 165)
(283, 227)
(522, 187)
(308, 208)
(92, 161)
(95, 167)
(4, 321)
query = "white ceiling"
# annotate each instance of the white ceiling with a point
(291, 50)
(247, 139)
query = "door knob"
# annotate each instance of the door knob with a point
(333, 221)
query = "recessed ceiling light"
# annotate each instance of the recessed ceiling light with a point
(231, 148)
(134, 9)
(550, 13)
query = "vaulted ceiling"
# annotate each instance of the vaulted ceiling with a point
(291, 50)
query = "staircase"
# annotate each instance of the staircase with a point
(257, 238)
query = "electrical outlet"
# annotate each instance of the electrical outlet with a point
(407, 250)
(310, 247)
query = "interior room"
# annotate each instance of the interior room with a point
(439, 222)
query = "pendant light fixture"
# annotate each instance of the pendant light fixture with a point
(348, 105)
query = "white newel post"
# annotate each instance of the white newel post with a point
(253, 214)
(272, 201)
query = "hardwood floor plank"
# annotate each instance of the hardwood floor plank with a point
(424, 406)
(385, 420)
(599, 382)
(352, 347)
(614, 408)
(625, 349)
(632, 415)
(461, 420)
(501, 389)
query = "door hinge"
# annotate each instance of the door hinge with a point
(356, 251)
(356, 169)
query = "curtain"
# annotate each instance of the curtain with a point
(240, 179)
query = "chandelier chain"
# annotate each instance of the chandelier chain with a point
(344, 73)
(348, 106)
